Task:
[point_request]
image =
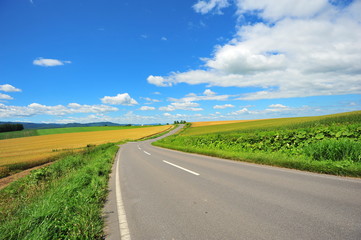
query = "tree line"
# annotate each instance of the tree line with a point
(8, 127)
(180, 122)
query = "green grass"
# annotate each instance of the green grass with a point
(40, 132)
(61, 201)
(18, 134)
(326, 144)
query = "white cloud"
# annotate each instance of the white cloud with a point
(204, 6)
(277, 106)
(277, 9)
(47, 62)
(240, 112)
(209, 92)
(5, 97)
(223, 106)
(147, 108)
(120, 99)
(311, 50)
(164, 39)
(58, 110)
(9, 88)
(158, 81)
(150, 100)
(192, 97)
(190, 106)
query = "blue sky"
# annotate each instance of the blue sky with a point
(144, 61)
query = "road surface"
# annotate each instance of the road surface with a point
(165, 194)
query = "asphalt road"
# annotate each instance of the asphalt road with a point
(165, 194)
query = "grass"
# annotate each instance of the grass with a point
(324, 144)
(22, 153)
(61, 201)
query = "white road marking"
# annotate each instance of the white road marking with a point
(139, 148)
(122, 218)
(147, 153)
(184, 169)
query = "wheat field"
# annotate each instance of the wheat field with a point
(39, 148)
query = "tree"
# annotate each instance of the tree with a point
(8, 127)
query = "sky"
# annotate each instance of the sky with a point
(141, 61)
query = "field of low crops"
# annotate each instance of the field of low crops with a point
(327, 144)
(22, 153)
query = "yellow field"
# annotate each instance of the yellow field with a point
(211, 123)
(38, 148)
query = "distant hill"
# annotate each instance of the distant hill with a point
(28, 125)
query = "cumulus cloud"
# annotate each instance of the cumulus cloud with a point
(9, 88)
(48, 62)
(5, 97)
(190, 106)
(301, 49)
(209, 92)
(146, 108)
(204, 6)
(158, 81)
(58, 110)
(277, 9)
(120, 99)
(223, 106)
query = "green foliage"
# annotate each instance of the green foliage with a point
(344, 149)
(329, 145)
(61, 201)
(9, 127)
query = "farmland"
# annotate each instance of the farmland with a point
(41, 132)
(22, 153)
(326, 144)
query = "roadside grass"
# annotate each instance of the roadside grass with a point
(61, 201)
(329, 145)
(22, 153)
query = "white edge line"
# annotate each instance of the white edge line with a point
(122, 218)
(184, 169)
(147, 153)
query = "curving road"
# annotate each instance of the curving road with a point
(165, 194)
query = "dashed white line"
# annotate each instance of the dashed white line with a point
(147, 153)
(139, 148)
(122, 218)
(184, 169)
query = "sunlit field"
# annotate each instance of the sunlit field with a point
(38, 148)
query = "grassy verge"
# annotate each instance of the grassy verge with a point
(328, 145)
(61, 201)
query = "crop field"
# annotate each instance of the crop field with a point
(326, 144)
(212, 123)
(239, 125)
(41, 132)
(31, 151)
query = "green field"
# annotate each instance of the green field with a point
(40, 132)
(272, 123)
(326, 144)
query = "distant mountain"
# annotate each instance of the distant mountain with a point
(28, 125)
